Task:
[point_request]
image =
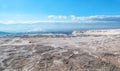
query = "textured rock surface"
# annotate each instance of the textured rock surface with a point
(60, 53)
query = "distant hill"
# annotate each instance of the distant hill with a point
(3, 33)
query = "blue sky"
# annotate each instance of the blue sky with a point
(60, 7)
(30, 14)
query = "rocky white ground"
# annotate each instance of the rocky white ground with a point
(89, 51)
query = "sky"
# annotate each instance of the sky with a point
(43, 15)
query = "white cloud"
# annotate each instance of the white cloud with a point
(32, 21)
(51, 17)
(62, 17)
(73, 17)
(7, 22)
(57, 17)
(67, 19)
(96, 18)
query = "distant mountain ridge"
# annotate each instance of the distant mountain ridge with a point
(37, 32)
(2, 33)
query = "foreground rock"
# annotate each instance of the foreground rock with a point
(46, 58)
(60, 53)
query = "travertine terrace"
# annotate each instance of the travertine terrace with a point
(97, 50)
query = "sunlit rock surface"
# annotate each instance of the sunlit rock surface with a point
(97, 50)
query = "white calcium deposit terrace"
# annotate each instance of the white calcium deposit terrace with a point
(62, 53)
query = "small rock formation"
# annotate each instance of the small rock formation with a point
(77, 33)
